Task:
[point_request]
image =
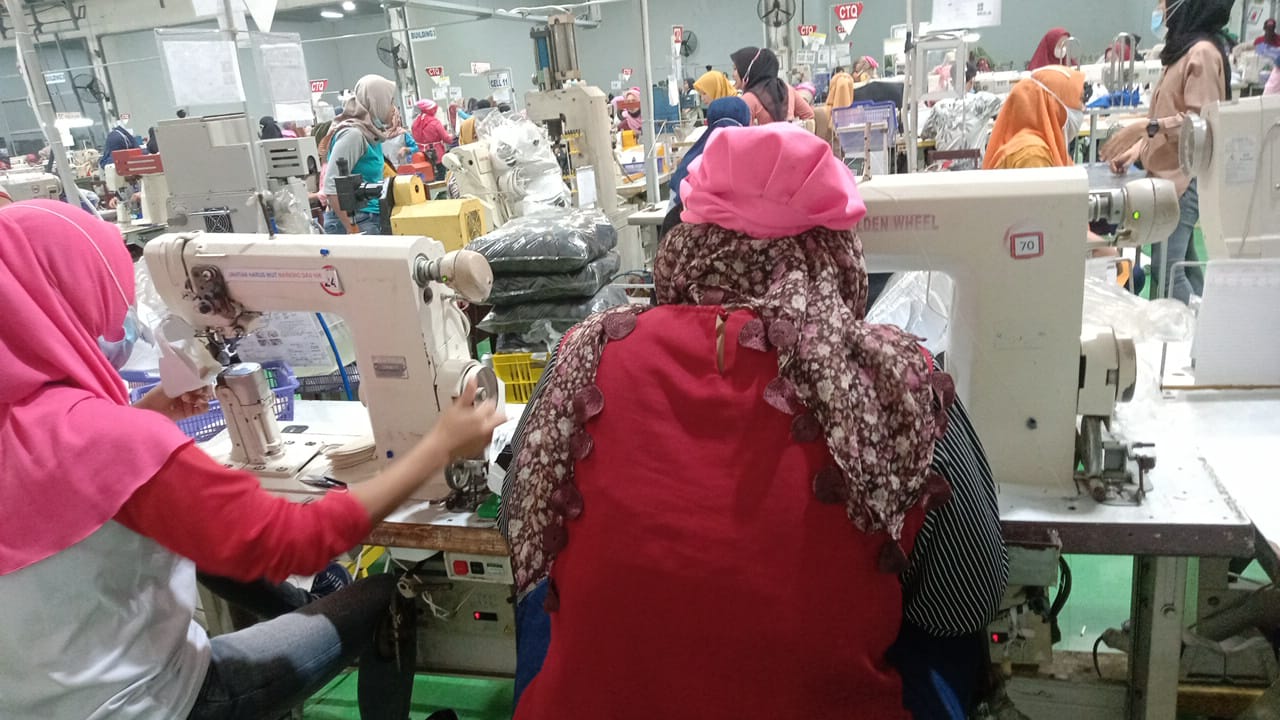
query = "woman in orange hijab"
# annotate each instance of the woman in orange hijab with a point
(840, 89)
(1038, 120)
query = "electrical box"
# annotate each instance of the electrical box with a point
(469, 623)
(1022, 631)
(454, 223)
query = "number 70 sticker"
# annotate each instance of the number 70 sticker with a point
(1026, 245)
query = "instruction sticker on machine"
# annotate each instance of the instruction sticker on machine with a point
(326, 277)
(1242, 160)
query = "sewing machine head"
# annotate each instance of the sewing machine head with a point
(1233, 151)
(1013, 242)
(398, 295)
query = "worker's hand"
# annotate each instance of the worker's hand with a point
(1120, 163)
(182, 407)
(1123, 140)
(465, 429)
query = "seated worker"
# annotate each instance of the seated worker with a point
(1042, 114)
(109, 510)
(770, 98)
(712, 86)
(357, 137)
(865, 70)
(1046, 52)
(840, 89)
(759, 553)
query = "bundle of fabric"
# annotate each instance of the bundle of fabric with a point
(963, 124)
(551, 270)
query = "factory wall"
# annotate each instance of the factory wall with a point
(18, 125)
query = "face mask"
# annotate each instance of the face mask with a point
(118, 352)
(1157, 22)
(1075, 120)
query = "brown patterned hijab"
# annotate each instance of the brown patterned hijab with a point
(869, 389)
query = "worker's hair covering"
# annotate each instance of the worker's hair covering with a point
(840, 90)
(868, 390)
(716, 85)
(72, 449)
(1032, 115)
(759, 70)
(729, 112)
(786, 186)
(428, 107)
(1193, 21)
(269, 129)
(371, 108)
(808, 87)
(875, 65)
(1044, 51)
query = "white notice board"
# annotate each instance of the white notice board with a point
(956, 14)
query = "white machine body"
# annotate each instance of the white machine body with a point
(411, 339)
(1235, 154)
(31, 185)
(472, 168)
(1013, 242)
(579, 117)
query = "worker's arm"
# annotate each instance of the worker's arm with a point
(224, 521)
(959, 566)
(349, 144)
(804, 111)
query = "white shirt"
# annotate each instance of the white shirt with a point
(103, 629)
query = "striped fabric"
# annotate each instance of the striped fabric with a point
(959, 566)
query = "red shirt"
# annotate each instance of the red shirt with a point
(704, 579)
(1262, 40)
(224, 521)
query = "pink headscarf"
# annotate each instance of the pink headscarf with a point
(427, 107)
(72, 449)
(771, 181)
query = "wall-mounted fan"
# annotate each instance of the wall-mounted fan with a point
(88, 89)
(776, 13)
(391, 53)
(689, 45)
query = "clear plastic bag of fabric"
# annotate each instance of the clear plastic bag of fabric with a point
(515, 289)
(1107, 303)
(528, 172)
(560, 316)
(919, 303)
(553, 242)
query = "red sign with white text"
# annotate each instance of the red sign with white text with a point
(849, 11)
(435, 71)
(807, 30)
(677, 34)
(319, 86)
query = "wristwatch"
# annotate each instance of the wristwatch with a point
(1153, 127)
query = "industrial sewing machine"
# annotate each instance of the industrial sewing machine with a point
(31, 184)
(1234, 152)
(211, 176)
(405, 209)
(1040, 388)
(398, 295)
(132, 165)
(577, 119)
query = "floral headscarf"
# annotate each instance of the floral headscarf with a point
(869, 389)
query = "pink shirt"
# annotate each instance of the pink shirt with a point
(798, 108)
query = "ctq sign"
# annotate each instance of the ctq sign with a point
(435, 71)
(807, 30)
(849, 11)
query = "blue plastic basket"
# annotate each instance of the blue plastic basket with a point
(203, 427)
(860, 124)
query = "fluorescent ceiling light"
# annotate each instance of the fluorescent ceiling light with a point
(331, 15)
(349, 6)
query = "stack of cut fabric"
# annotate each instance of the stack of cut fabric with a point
(551, 270)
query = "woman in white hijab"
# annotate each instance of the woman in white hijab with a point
(356, 137)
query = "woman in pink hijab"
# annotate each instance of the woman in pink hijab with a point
(758, 553)
(629, 119)
(429, 132)
(109, 509)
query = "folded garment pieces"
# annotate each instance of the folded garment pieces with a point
(559, 242)
(517, 289)
(555, 316)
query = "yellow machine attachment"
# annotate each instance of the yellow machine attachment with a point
(454, 223)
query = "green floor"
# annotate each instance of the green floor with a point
(471, 698)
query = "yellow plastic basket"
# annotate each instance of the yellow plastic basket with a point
(520, 372)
